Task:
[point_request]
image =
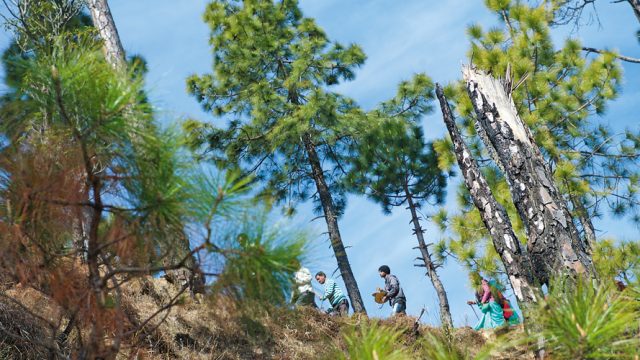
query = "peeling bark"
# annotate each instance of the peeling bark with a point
(494, 216)
(103, 22)
(554, 243)
(331, 218)
(493, 154)
(443, 301)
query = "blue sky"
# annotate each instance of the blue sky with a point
(400, 38)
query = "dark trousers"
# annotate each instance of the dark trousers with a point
(307, 298)
(341, 309)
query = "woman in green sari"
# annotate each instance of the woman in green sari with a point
(510, 315)
(492, 313)
(495, 307)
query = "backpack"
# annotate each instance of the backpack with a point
(507, 310)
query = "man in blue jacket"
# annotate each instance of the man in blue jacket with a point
(393, 290)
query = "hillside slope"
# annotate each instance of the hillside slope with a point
(204, 328)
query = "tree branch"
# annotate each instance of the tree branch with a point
(620, 57)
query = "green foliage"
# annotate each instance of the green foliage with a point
(271, 76)
(41, 28)
(588, 323)
(444, 150)
(617, 260)
(439, 348)
(217, 197)
(632, 292)
(372, 341)
(260, 261)
(394, 160)
(86, 121)
(93, 96)
(39, 23)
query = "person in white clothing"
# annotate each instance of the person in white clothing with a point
(303, 294)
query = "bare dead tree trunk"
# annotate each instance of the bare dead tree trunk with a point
(332, 226)
(516, 262)
(443, 301)
(490, 149)
(553, 240)
(635, 5)
(103, 22)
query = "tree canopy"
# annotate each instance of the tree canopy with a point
(272, 75)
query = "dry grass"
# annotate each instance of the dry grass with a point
(205, 328)
(208, 328)
(22, 334)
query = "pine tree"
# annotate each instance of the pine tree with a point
(271, 79)
(557, 93)
(79, 157)
(114, 54)
(88, 150)
(553, 242)
(396, 167)
(38, 25)
(84, 159)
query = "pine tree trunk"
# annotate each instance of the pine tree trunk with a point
(494, 216)
(443, 301)
(114, 53)
(585, 221)
(332, 226)
(103, 22)
(554, 244)
(97, 347)
(79, 231)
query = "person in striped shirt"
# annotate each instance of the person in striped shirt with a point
(333, 293)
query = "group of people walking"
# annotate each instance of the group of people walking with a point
(305, 295)
(495, 308)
